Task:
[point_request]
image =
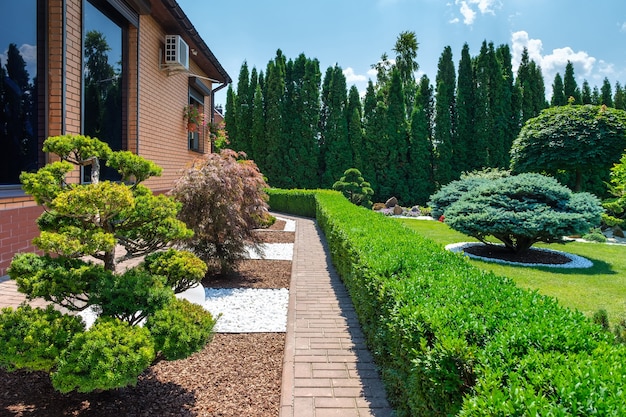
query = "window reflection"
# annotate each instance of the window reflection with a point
(102, 76)
(18, 90)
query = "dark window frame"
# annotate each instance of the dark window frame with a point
(196, 140)
(10, 190)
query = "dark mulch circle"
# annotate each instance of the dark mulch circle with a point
(531, 256)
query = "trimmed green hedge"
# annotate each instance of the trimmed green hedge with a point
(298, 202)
(451, 339)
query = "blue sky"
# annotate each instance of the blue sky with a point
(355, 33)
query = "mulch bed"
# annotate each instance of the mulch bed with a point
(531, 256)
(235, 375)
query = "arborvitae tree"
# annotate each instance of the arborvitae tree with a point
(523, 83)
(335, 147)
(595, 96)
(586, 93)
(465, 110)
(445, 115)
(619, 100)
(243, 116)
(257, 144)
(484, 117)
(273, 166)
(426, 100)
(539, 88)
(570, 87)
(558, 95)
(420, 180)
(301, 118)
(230, 115)
(370, 136)
(396, 170)
(509, 103)
(606, 97)
(354, 116)
(406, 52)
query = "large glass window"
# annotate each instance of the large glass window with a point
(19, 126)
(103, 72)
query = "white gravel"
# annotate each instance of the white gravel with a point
(575, 260)
(248, 310)
(273, 251)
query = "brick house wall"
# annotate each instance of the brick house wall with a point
(153, 122)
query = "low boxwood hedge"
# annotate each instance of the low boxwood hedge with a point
(451, 339)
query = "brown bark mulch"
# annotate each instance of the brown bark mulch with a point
(235, 375)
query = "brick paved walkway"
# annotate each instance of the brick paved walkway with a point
(327, 369)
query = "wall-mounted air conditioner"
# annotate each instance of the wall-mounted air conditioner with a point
(176, 52)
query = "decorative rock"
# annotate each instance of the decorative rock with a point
(618, 232)
(415, 209)
(397, 210)
(392, 202)
(378, 206)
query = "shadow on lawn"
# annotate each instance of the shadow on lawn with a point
(31, 394)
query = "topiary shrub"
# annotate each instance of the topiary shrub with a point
(86, 231)
(182, 269)
(111, 354)
(33, 338)
(355, 188)
(223, 200)
(522, 210)
(180, 329)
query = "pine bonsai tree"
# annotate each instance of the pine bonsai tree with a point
(86, 229)
(355, 188)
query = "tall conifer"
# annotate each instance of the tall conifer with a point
(396, 170)
(275, 169)
(465, 150)
(558, 95)
(420, 181)
(606, 94)
(570, 86)
(445, 111)
(586, 93)
(335, 147)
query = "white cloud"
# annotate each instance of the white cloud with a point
(467, 9)
(486, 6)
(455, 20)
(469, 15)
(584, 64)
(623, 28)
(352, 77)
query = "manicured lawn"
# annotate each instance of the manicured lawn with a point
(602, 286)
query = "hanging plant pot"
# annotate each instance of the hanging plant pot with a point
(192, 127)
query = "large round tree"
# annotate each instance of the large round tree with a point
(521, 210)
(577, 139)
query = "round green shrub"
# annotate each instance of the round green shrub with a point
(111, 354)
(180, 329)
(32, 338)
(182, 269)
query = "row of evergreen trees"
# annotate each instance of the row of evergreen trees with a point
(406, 136)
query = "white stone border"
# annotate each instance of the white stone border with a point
(575, 260)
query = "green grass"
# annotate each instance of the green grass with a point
(603, 286)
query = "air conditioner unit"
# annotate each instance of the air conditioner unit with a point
(176, 52)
